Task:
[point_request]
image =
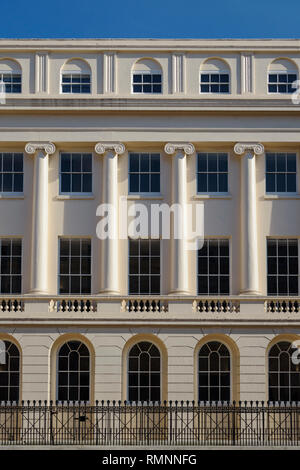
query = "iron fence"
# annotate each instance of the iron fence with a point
(154, 424)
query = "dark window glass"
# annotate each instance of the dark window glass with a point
(75, 266)
(9, 372)
(213, 267)
(73, 374)
(282, 266)
(284, 375)
(12, 82)
(10, 266)
(144, 172)
(214, 372)
(281, 82)
(214, 82)
(281, 173)
(76, 173)
(147, 82)
(144, 266)
(75, 83)
(212, 172)
(11, 172)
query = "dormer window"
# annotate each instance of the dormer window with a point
(214, 77)
(281, 76)
(10, 76)
(146, 77)
(76, 77)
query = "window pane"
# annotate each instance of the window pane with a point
(134, 183)
(202, 182)
(212, 182)
(155, 183)
(270, 183)
(134, 162)
(65, 183)
(76, 162)
(76, 183)
(87, 183)
(291, 183)
(86, 162)
(223, 183)
(65, 162)
(144, 180)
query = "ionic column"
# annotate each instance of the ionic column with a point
(110, 253)
(39, 263)
(249, 247)
(179, 252)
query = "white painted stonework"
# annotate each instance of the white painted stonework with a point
(111, 122)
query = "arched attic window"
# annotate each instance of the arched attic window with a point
(214, 77)
(281, 75)
(146, 77)
(11, 76)
(76, 77)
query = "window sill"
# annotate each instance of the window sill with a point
(74, 196)
(213, 196)
(12, 196)
(283, 196)
(144, 196)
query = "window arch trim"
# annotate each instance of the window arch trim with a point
(58, 343)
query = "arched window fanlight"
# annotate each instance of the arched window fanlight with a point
(144, 372)
(9, 371)
(284, 374)
(214, 77)
(214, 372)
(10, 76)
(76, 77)
(73, 372)
(146, 77)
(281, 76)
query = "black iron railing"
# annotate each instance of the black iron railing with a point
(155, 424)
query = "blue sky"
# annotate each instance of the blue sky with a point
(150, 18)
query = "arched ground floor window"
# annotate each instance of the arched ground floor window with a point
(9, 371)
(284, 374)
(73, 372)
(144, 372)
(214, 372)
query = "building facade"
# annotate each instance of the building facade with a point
(87, 122)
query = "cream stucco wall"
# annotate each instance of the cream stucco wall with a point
(111, 113)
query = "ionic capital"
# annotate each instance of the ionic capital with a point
(47, 147)
(172, 147)
(242, 147)
(102, 147)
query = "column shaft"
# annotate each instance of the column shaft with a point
(39, 256)
(111, 244)
(249, 225)
(179, 252)
(178, 247)
(249, 243)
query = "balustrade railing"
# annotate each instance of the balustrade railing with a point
(282, 305)
(216, 306)
(253, 424)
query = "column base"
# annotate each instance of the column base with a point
(110, 292)
(39, 292)
(179, 292)
(250, 292)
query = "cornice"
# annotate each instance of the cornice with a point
(125, 44)
(149, 103)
